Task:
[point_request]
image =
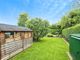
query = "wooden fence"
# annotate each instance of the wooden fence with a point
(10, 49)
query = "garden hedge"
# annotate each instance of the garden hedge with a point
(71, 30)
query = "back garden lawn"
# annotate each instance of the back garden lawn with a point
(46, 49)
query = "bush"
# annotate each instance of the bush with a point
(49, 35)
(53, 31)
(71, 30)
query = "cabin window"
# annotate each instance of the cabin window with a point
(8, 34)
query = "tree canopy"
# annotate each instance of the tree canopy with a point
(39, 27)
(22, 19)
(71, 19)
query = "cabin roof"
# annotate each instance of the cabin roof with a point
(6, 27)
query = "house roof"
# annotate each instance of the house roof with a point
(6, 27)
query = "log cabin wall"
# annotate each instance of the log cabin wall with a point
(14, 39)
(2, 37)
(0, 47)
(28, 39)
(26, 35)
(15, 42)
(17, 36)
(30, 34)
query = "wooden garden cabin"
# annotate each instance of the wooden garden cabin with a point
(13, 39)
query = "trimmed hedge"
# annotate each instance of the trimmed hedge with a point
(71, 30)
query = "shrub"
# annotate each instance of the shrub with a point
(53, 31)
(71, 30)
(49, 35)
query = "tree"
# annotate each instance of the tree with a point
(22, 19)
(55, 29)
(39, 27)
(64, 22)
(71, 19)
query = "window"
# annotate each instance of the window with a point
(8, 34)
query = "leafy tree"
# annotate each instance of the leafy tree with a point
(55, 29)
(22, 19)
(65, 22)
(71, 19)
(39, 27)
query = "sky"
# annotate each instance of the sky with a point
(51, 10)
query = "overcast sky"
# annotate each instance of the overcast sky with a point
(51, 10)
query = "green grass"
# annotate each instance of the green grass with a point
(46, 49)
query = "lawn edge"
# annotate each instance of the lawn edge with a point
(70, 57)
(68, 53)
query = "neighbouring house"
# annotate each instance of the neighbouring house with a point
(13, 39)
